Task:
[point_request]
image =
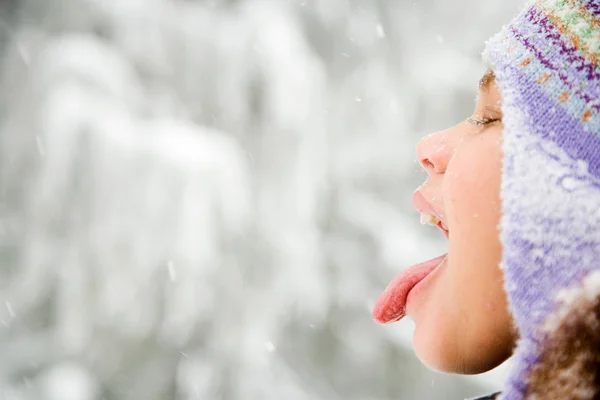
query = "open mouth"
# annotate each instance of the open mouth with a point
(391, 304)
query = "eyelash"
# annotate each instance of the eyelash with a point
(482, 122)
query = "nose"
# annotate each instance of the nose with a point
(433, 153)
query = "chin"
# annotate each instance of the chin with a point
(433, 353)
(438, 352)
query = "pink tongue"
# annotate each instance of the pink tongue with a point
(391, 305)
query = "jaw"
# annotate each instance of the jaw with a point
(464, 325)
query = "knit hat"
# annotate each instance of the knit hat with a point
(546, 67)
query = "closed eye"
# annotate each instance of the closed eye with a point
(482, 122)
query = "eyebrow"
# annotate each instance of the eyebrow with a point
(487, 80)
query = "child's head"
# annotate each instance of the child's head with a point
(516, 188)
(462, 319)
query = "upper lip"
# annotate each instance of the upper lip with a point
(422, 205)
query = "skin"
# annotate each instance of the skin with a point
(462, 320)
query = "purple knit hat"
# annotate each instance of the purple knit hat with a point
(546, 66)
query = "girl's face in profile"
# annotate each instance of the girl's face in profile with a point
(462, 321)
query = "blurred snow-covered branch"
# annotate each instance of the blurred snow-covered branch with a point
(200, 199)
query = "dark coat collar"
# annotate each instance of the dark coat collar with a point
(488, 397)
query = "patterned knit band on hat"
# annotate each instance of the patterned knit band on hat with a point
(547, 68)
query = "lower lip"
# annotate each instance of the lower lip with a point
(415, 296)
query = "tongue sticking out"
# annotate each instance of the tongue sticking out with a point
(391, 305)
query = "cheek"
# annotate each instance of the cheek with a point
(474, 208)
(472, 185)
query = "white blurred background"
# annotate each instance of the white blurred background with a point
(203, 199)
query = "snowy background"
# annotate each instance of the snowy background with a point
(203, 199)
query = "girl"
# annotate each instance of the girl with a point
(516, 189)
